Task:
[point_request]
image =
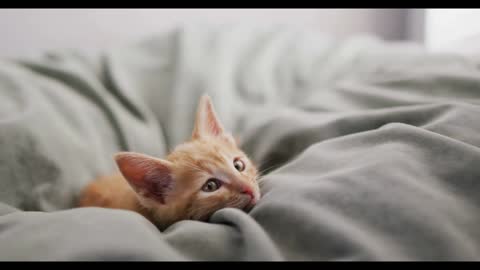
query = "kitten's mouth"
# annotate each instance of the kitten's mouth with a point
(251, 203)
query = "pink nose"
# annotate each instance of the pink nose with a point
(248, 191)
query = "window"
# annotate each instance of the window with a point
(452, 29)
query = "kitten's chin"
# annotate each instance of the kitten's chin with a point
(247, 208)
(250, 205)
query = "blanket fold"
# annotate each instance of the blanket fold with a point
(369, 149)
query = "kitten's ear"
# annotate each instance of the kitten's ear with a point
(206, 121)
(148, 176)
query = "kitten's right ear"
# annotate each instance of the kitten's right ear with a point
(207, 122)
(148, 176)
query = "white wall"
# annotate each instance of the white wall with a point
(26, 31)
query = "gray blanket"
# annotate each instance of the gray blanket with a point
(370, 149)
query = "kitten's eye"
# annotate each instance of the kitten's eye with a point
(211, 185)
(239, 165)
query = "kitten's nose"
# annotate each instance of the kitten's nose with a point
(248, 191)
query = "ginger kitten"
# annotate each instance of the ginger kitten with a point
(197, 178)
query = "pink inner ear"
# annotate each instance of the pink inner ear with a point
(207, 122)
(212, 122)
(147, 176)
(157, 184)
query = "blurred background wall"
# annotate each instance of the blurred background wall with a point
(27, 31)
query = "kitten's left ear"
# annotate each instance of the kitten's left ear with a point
(148, 176)
(207, 123)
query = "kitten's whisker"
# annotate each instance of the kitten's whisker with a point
(258, 179)
(266, 161)
(266, 169)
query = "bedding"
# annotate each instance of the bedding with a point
(370, 149)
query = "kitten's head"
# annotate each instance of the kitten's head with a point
(198, 177)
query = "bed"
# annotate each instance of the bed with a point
(370, 149)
